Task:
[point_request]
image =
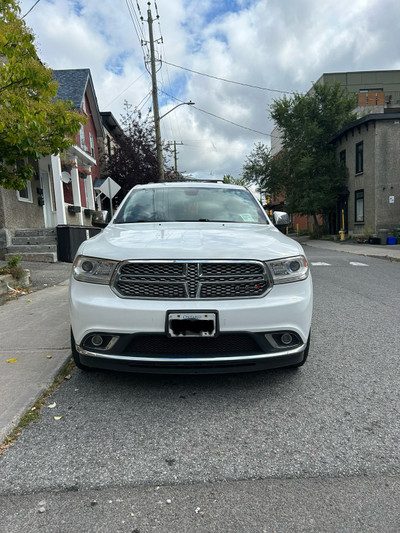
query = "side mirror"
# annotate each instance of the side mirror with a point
(100, 219)
(280, 219)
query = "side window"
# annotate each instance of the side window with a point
(91, 145)
(359, 157)
(82, 138)
(25, 195)
(359, 206)
(342, 158)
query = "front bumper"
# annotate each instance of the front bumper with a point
(243, 342)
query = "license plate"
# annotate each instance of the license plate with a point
(191, 324)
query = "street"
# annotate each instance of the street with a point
(313, 449)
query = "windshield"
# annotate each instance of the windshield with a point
(191, 204)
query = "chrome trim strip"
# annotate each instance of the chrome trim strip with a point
(128, 358)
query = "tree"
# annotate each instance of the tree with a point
(228, 178)
(307, 170)
(134, 159)
(33, 123)
(258, 166)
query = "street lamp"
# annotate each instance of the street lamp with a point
(183, 103)
(158, 138)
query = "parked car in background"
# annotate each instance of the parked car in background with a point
(190, 278)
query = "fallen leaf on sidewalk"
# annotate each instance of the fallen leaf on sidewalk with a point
(52, 405)
(57, 417)
(11, 360)
(28, 300)
(68, 376)
(49, 356)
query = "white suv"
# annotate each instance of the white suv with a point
(190, 278)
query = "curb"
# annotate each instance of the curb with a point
(7, 280)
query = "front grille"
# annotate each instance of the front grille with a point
(191, 279)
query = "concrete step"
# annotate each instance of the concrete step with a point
(28, 248)
(37, 257)
(34, 239)
(34, 244)
(36, 232)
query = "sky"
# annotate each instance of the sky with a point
(232, 58)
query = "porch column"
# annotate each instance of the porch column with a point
(76, 193)
(55, 163)
(90, 191)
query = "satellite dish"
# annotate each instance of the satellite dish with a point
(65, 177)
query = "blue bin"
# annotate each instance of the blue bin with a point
(391, 240)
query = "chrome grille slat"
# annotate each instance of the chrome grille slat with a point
(191, 279)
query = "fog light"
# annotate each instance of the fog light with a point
(97, 340)
(286, 338)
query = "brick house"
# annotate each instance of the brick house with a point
(112, 135)
(57, 195)
(75, 191)
(369, 148)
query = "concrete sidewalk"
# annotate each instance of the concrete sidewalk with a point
(31, 328)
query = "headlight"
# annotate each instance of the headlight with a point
(289, 269)
(93, 270)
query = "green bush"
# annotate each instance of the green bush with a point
(13, 267)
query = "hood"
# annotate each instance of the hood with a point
(192, 240)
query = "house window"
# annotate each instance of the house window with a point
(91, 144)
(359, 205)
(25, 195)
(342, 158)
(82, 138)
(359, 157)
(371, 97)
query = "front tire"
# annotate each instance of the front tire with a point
(75, 355)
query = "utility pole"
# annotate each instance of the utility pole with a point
(155, 97)
(175, 155)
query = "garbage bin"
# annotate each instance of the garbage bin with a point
(69, 238)
(383, 235)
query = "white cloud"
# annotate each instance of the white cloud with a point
(276, 44)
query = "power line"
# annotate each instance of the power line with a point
(171, 119)
(135, 21)
(230, 81)
(35, 4)
(121, 93)
(216, 116)
(230, 122)
(143, 102)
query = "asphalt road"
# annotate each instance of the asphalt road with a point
(312, 450)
